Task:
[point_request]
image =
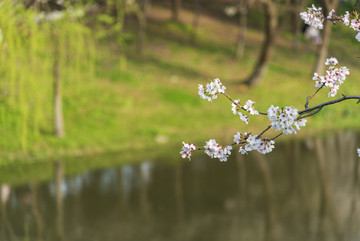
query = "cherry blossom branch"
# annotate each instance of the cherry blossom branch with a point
(331, 102)
(315, 17)
(288, 120)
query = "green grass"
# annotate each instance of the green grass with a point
(150, 103)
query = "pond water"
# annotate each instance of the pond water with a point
(302, 191)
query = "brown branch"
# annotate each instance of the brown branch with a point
(331, 102)
(313, 113)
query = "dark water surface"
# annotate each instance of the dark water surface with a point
(302, 191)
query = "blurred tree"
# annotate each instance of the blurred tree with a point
(327, 5)
(243, 8)
(175, 9)
(58, 111)
(37, 47)
(271, 24)
(298, 5)
(140, 12)
(115, 17)
(195, 22)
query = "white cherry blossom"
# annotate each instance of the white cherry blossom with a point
(313, 17)
(358, 36)
(334, 77)
(331, 61)
(249, 106)
(238, 138)
(214, 150)
(244, 118)
(266, 146)
(186, 150)
(346, 19)
(235, 106)
(283, 119)
(212, 90)
(331, 14)
(242, 150)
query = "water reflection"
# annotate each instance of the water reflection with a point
(302, 191)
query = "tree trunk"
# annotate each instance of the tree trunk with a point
(285, 13)
(141, 16)
(175, 8)
(323, 50)
(297, 22)
(268, 45)
(58, 112)
(195, 22)
(243, 11)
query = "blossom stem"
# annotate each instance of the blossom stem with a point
(230, 98)
(263, 132)
(310, 97)
(261, 113)
(276, 136)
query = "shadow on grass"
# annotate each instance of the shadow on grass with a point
(182, 34)
(169, 67)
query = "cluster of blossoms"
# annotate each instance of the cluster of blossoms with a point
(187, 149)
(334, 77)
(214, 150)
(212, 90)
(249, 107)
(358, 150)
(253, 142)
(314, 17)
(285, 119)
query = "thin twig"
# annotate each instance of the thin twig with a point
(310, 97)
(277, 136)
(261, 113)
(263, 132)
(230, 98)
(353, 9)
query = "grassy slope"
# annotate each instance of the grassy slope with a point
(151, 104)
